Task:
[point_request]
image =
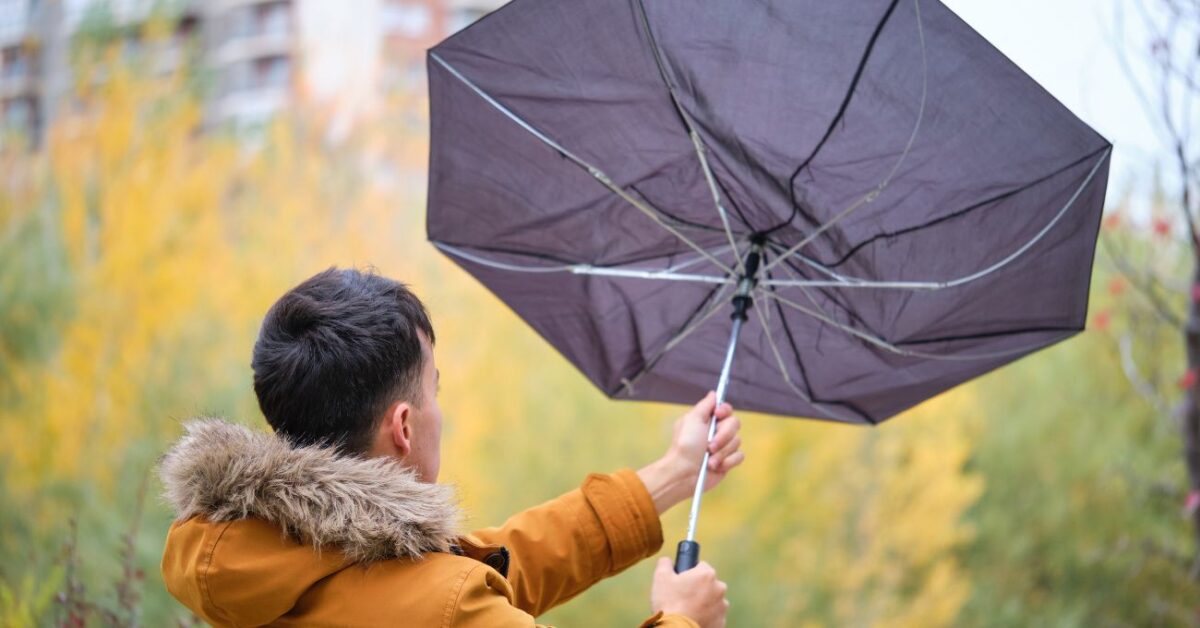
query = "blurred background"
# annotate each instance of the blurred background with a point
(168, 169)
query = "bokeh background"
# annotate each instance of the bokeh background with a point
(168, 169)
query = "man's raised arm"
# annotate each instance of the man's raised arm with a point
(558, 549)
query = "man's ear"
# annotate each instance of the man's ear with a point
(400, 417)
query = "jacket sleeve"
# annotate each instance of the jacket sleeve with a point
(562, 547)
(484, 600)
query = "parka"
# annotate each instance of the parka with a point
(271, 534)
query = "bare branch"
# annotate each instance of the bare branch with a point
(1133, 373)
(1146, 284)
(1186, 193)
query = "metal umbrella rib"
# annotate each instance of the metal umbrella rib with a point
(593, 170)
(697, 143)
(857, 282)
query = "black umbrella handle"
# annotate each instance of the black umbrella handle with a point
(687, 555)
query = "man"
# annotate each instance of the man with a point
(337, 519)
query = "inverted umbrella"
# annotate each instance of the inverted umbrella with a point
(882, 203)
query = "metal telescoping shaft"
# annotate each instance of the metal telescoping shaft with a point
(722, 383)
(687, 554)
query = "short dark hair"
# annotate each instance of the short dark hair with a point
(334, 352)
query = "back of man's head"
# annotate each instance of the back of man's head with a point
(334, 353)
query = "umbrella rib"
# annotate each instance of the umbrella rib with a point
(843, 281)
(826, 266)
(787, 378)
(585, 269)
(596, 173)
(778, 248)
(993, 334)
(695, 260)
(697, 143)
(694, 322)
(788, 268)
(820, 315)
(562, 261)
(870, 196)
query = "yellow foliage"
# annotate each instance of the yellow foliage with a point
(176, 242)
(865, 522)
(24, 605)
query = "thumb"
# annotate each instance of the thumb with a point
(664, 566)
(704, 408)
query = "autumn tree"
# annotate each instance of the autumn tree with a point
(1157, 290)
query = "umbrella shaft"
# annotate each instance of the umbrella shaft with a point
(722, 384)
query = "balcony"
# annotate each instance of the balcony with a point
(255, 31)
(18, 71)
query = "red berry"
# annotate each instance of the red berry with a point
(1192, 503)
(1188, 380)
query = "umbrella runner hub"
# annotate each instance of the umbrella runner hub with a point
(743, 300)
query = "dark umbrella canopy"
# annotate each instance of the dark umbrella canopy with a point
(926, 212)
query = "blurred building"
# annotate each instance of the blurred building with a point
(32, 64)
(252, 49)
(36, 39)
(260, 55)
(410, 27)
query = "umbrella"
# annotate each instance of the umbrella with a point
(836, 210)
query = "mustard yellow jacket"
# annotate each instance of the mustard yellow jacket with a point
(269, 534)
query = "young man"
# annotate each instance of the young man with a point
(337, 519)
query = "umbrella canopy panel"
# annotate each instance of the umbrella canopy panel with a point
(925, 210)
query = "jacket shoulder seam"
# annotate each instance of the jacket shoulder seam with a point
(456, 592)
(208, 561)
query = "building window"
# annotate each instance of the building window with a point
(271, 19)
(273, 71)
(21, 116)
(15, 63)
(262, 73)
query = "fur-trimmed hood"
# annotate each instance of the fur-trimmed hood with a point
(371, 509)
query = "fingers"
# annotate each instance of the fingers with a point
(703, 571)
(664, 566)
(726, 432)
(717, 459)
(707, 406)
(727, 464)
(703, 409)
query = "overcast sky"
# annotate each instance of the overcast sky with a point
(1069, 47)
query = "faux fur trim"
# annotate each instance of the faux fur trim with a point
(372, 509)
